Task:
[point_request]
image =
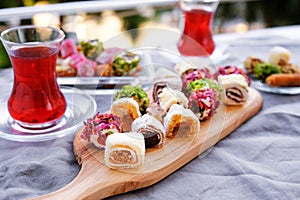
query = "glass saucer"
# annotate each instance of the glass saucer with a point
(80, 106)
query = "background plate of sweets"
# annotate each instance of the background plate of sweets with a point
(90, 65)
(274, 71)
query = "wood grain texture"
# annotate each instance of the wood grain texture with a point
(96, 181)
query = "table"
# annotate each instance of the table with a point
(260, 160)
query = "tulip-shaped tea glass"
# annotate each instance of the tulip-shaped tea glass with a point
(196, 38)
(36, 101)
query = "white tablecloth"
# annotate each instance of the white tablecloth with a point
(260, 160)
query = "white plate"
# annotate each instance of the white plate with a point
(277, 90)
(80, 106)
(257, 84)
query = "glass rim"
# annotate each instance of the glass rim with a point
(60, 37)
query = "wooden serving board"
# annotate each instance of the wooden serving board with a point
(96, 181)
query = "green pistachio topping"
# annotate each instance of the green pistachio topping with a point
(137, 93)
(263, 70)
(92, 48)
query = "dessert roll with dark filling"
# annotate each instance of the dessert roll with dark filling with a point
(157, 89)
(156, 111)
(159, 85)
(152, 130)
(234, 89)
(164, 97)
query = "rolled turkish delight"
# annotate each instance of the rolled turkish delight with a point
(135, 92)
(204, 83)
(127, 110)
(156, 111)
(232, 70)
(173, 83)
(181, 122)
(124, 150)
(195, 75)
(98, 128)
(234, 89)
(168, 97)
(152, 130)
(157, 89)
(183, 68)
(165, 78)
(204, 103)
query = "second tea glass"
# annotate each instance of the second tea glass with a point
(197, 37)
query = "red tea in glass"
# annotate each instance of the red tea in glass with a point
(36, 100)
(35, 97)
(197, 39)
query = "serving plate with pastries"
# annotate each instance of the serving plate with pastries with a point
(277, 73)
(89, 64)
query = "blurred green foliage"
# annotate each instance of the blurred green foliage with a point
(133, 22)
(279, 12)
(4, 59)
(271, 12)
(11, 3)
